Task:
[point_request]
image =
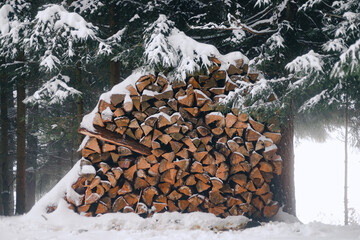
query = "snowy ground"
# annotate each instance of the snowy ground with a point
(64, 225)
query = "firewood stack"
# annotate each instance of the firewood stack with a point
(165, 147)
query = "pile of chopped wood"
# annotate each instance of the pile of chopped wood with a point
(164, 147)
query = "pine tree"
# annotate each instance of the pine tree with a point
(340, 55)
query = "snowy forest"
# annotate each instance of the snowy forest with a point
(58, 57)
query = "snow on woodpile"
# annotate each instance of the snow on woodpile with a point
(159, 145)
(162, 143)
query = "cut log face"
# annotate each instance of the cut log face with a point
(124, 151)
(165, 146)
(119, 204)
(275, 137)
(93, 145)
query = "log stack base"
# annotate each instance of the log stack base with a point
(164, 147)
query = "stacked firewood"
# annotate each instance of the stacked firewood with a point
(163, 146)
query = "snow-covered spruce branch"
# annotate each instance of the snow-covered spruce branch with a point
(53, 91)
(310, 62)
(234, 24)
(259, 3)
(312, 102)
(57, 34)
(349, 59)
(214, 26)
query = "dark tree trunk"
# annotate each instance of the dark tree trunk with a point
(73, 135)
(5, 194)
(79, 102)
(285, 183)
(114, 73)
(114, 66)
(4, 150)
(11, 149)
(20, 145)
(31, 158)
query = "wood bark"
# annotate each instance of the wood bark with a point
(31, 157)
(79, 100)
(20, 144)
(114, 138)
(285, 184)
(4, 149)
(114, 66)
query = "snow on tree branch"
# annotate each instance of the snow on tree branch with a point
(82, 6)
(192, 55)
(5, 11)
(117, 37)
(158, 51)
(335, 45)
(260, 3)
(107, 46)
(276, 41)
(309, 4)
(12, 29)
(58, 36)
(56, 18)
(236, 25)
(257, 95)
(312, 102)
(349, 61)
(49, 61)
(53, 91)
(308, 63)
(167, 47)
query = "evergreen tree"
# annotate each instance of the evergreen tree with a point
(340, 56)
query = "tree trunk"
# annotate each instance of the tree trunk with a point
(4, 160)
(79, 102)
(31, 158)
(11, 150)
(74, 135)
(346, 209)
(5, 194)
(284, 191)
(114, 66)
(114, 73)
(285, 184)
(20, 144)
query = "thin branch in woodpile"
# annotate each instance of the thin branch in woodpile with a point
(120, 140)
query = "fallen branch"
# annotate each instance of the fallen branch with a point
(117, 139)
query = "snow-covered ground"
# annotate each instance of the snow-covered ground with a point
(63, 224)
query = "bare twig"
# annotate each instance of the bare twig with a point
(334, 16)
